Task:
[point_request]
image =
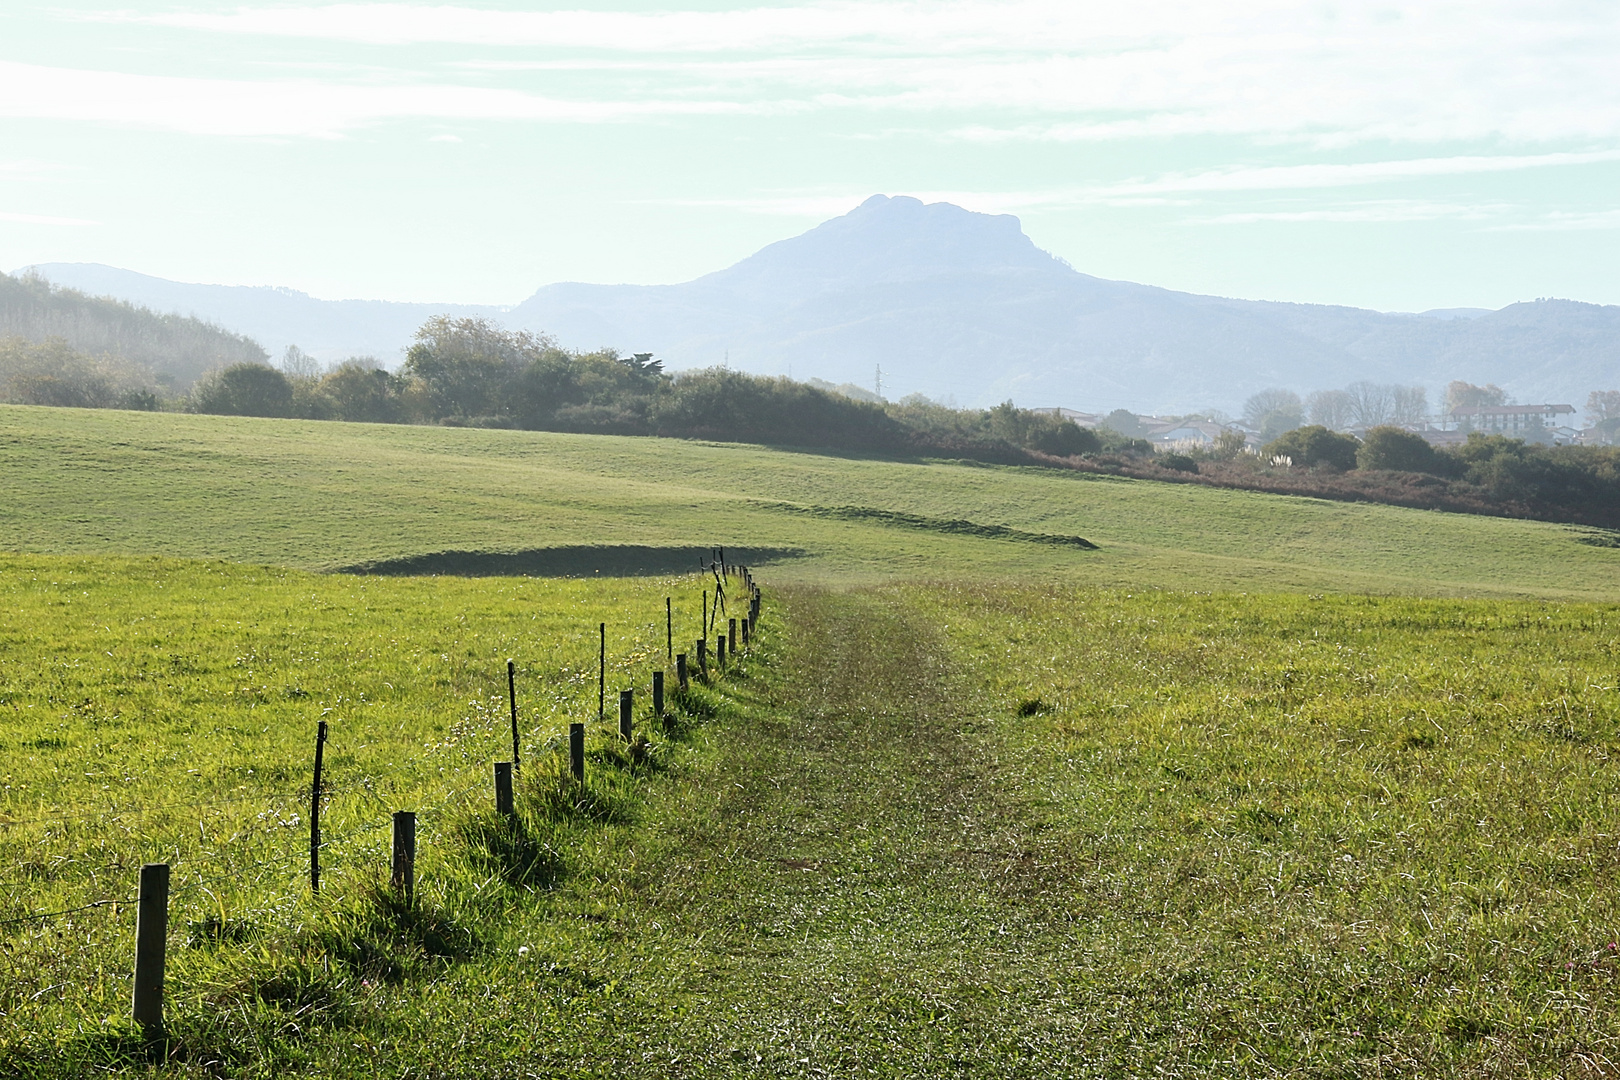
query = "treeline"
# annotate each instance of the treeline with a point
(1488, 474)
(471, 372)
(168, 352)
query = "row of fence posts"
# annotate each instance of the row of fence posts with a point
(152, 905)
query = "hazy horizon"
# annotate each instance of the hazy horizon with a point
(1436, 155)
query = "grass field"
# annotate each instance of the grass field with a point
(925, 830)
(328, 495)
(980, 803)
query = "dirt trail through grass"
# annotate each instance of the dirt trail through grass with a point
(861, 896)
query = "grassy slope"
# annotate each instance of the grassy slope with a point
(1247, 835)
(1244, 835)
(322, 495)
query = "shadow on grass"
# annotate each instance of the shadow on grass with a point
(583, 560)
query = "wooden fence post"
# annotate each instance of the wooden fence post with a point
(627, 700)
(658, 693)
(511, 692)
(703, 657)
(681, 678)
(731, 635)
(745, 632)
(503, 788)
(315, 813)
(151, 944)
(576, 750)
(404, 876)
(601, 676)
(669, 626)
(720, 652)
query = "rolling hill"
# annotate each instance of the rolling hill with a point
(964, 306)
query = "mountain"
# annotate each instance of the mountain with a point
(330, 330)
(170, 350)
(961, 305)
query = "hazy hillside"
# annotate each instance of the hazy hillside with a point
(953, 303)
(177, 348)
(964, 306)
(330, 330)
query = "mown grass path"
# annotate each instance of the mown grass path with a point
(860, 897)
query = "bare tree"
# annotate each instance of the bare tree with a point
(1463, 395)
(1330, 408)
(1603, 405)
(1267, 402)
(298, 364)
(1408, 404)
(1371, 403)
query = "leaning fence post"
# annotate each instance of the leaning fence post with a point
(658, 693)
(503, 788)
(404, 877)
(511, 691)
(576, 750)
(151, 943)
(315, 813)
(681, 678)
(626, 704)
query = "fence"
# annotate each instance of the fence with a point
(157, 889)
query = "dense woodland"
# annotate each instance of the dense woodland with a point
(471, 372)
(128, 345)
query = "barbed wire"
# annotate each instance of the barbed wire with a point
(38, 915)
(304, 793)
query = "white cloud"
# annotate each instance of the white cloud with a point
(1065, 69)
(41, 219)
(1380, 211)
(1189, 189)
(294, 107)
(1328, 175)
(1564, 221)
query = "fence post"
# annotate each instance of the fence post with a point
(704, 625)
(601, 676)
(720, 652)
(315, 813)
(669, 626)
(503, 787)
(151, 943)
(681, 678)
(703, 657)
(404, 877)
(627, 700)
(576, 750)
(731, 634)
(658, 693)
(745, 632)
(511, 691)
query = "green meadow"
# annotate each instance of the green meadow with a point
(1259, 786)
(326, 495)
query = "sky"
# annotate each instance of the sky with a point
(1399, 156)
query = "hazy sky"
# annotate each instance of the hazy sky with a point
(1398, 156)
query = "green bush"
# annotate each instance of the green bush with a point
(244, 390)
(1177, 463)
(1315, 447)
(1398, 451)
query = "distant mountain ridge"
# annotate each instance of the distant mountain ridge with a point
(963, 306)
(169, 350)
